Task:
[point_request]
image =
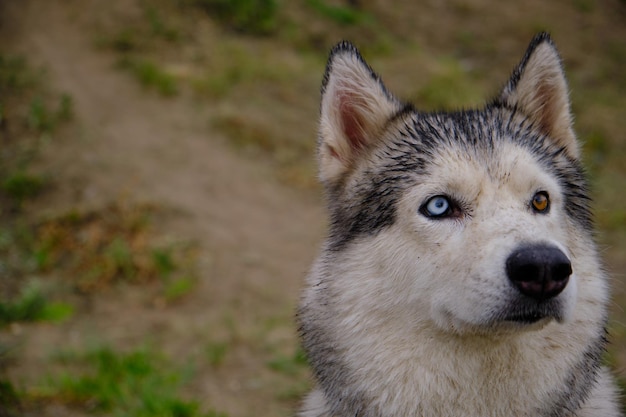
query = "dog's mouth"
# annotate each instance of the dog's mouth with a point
(527, 313)
(531, 318)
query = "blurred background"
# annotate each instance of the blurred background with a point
(158, 198)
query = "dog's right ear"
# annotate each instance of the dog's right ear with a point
(355, 108)
(539, 89)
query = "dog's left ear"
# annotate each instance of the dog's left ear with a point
(539, 89)
(355, 109)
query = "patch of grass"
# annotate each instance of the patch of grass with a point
(19, 186)
(28, 112)
(65, 110)
(159, 27)
(142, 33)
(39, 117)
(139, 383)
(122, 41)
(42, 118)
(96, 249)
(150, 76)
(178, 288)
(238, 67)
(28, 307)
(216, 352)
(56, 312)
(450, 87)
(344, 15)
(9, 400)
(163, 259)
(32, 305)
(255, 17)
(118, 258)
(15, 76)
(292, 369)
(289, 365)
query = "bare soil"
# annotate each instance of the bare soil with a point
(255, 237)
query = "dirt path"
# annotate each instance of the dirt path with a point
(256, 237)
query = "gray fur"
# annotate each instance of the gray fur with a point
(368, 205)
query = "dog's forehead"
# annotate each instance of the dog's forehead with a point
(465, 151)
(506, 168)
(492, 139)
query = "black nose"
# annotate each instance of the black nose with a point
(539, 272)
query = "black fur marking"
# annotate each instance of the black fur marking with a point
(368, 204)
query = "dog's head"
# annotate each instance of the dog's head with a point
(477, 220)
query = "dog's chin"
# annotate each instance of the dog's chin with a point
(523, 323)
(497, 328)
(529, 315)
(528, 319)
(520, 316)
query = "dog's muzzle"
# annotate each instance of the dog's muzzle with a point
(540, 272)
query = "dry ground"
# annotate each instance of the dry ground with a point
(255, 236)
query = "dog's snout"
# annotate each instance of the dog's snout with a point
(540, 272)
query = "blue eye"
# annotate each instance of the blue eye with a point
(437, 207)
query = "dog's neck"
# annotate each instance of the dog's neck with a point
(408, 375)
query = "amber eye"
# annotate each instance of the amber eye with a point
(541, 202)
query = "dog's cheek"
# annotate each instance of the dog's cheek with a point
(471, 275)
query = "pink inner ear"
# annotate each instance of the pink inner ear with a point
(351, 121)
(547, 111)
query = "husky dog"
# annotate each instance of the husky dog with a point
(460, 276)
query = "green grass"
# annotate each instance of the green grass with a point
(289, 365)
(99, 248)
(159, 27)
(20, 186)
(28, 112)
(15, 75)
(449, 87)
(344, 15)
(151, 76)
(178, 288)
(140, 383)
(216, 352)
(33, 305)
(45, 118)
(9, 399)
(292, 369)
(255, 17)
